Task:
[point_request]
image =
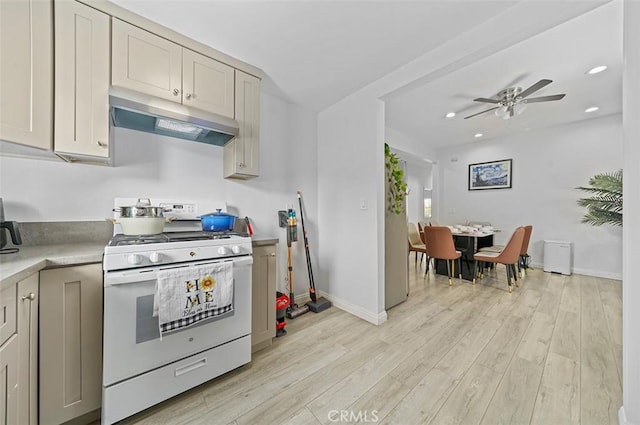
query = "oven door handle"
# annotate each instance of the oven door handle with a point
(124, 279)
(127, 277)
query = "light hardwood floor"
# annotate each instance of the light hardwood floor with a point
(547, 354)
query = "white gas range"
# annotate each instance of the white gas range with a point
(140, 368)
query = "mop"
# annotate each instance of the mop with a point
(316, 304)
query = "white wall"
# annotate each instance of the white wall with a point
(547, 166)
(350, 171)
(630, 412)
(156, 166)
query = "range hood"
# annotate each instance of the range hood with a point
(137, 111)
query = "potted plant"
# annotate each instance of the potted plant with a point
(605, 204)
(397, 187)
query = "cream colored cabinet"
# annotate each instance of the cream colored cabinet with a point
(70, 342)
(263, 313)
(19, 352)
(26, 72)
(81, 80)
(147, 63)
(242, 154)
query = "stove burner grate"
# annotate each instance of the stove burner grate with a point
(122, 240)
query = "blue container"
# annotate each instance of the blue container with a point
(217, 222)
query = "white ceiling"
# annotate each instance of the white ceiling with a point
(315, 53)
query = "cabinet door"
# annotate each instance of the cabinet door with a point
(146, 63)
(9, 382)
(27, 309)
(70, 342)
(81, 80)
(242, 154)
(207, 84)
(26, 73)
(263, 313)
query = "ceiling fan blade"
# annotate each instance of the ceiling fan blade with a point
(545, 98)
(485, 100)
(534, 88)
(479, 113)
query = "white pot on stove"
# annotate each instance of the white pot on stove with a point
(142, 225)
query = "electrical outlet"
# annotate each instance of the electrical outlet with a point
(363, 204)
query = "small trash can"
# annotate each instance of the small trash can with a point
(558, 257)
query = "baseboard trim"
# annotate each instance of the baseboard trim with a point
(622, 418)
(586, 272)
(376, 319)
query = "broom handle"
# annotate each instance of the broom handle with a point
(312, 284)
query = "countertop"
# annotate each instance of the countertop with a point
(32, 259)
(263, 240)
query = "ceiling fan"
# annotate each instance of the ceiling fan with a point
(512, 101)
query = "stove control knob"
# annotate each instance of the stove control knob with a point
(134, 259)
(155, 257)
(236, 249)
(223, 250)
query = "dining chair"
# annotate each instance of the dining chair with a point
(509, 256)
(440, 246)
(523, 261)
(415, 242)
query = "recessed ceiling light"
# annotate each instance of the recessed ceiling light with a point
(597, 69)
(591, 109)
(450, 114)
(477, 135)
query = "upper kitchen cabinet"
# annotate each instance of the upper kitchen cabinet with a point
(147, 63)
(26, 73)
(81, 80)
(242, 154)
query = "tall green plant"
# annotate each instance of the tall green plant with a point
(605, 204)
(397, 186)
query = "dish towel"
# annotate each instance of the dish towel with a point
(184, 296)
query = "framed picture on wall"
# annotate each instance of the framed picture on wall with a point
(490, 175)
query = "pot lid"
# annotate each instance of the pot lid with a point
(218, 213)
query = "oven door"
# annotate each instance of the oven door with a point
(132, 343)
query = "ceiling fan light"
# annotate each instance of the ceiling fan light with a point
(519, 108)
(501, 111)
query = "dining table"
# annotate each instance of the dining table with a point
(468, 242)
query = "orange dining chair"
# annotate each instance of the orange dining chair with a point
(524, 256)
(509, 256)
(415, 242)
(523, 261)
(440, 245)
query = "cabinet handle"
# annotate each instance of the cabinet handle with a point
(188, 96)
(273, 254)
(176, 92)
(29, 297)
(102, 144)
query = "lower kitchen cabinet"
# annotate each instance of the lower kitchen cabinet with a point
(70, 342)
(263, 319)
(19, 352)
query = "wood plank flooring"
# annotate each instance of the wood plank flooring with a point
(548, 353)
